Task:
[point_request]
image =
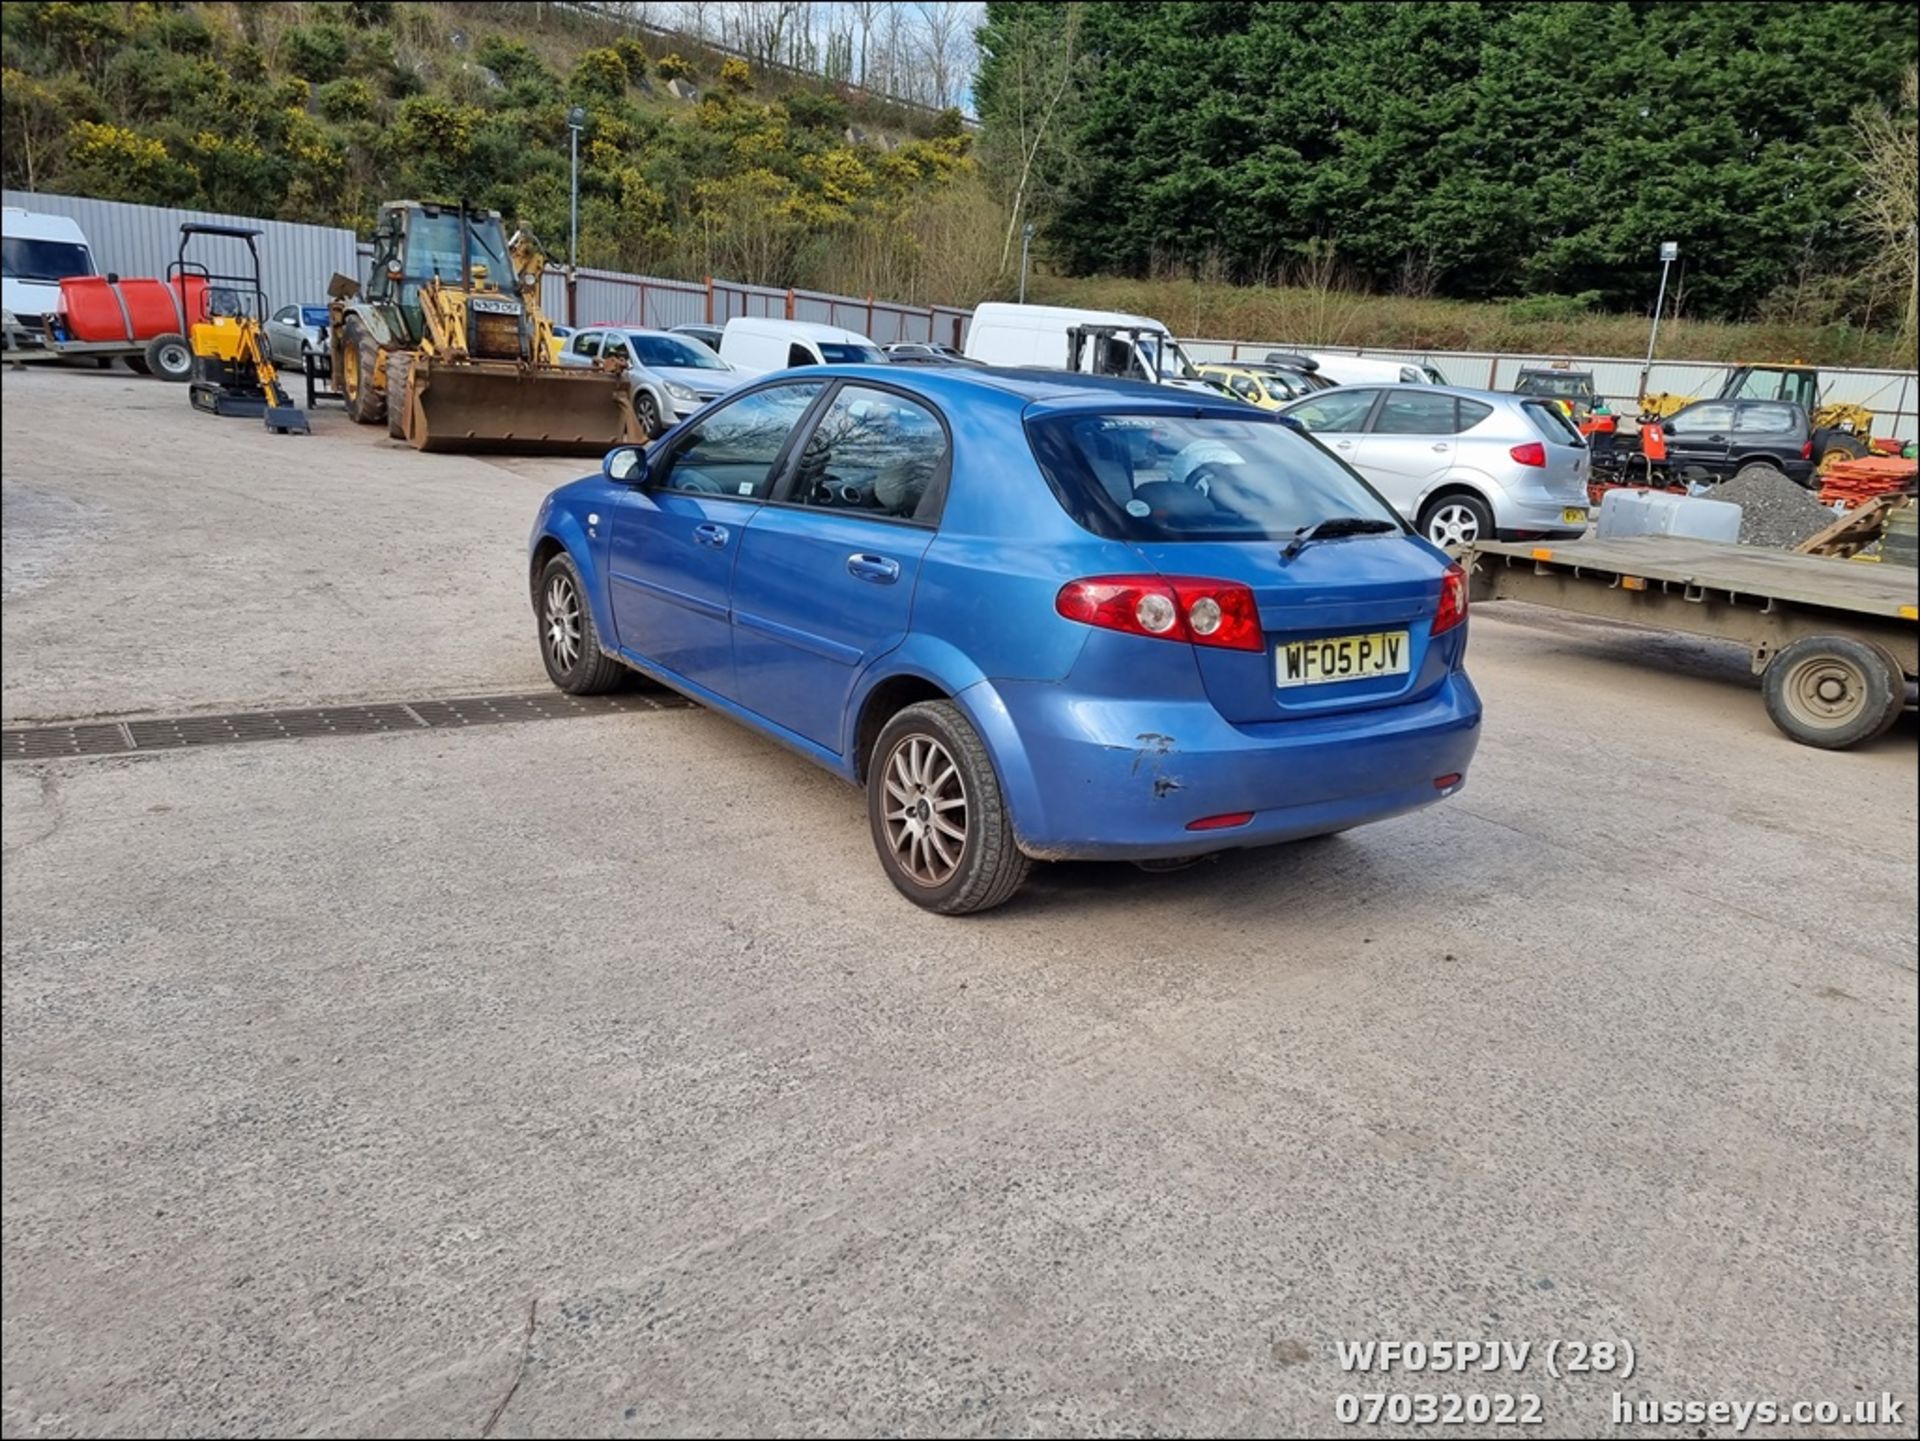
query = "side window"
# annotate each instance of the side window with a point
(1338, 409)
(616, 348)
(286, 315)
(1414, 412)
(874, 453)
(798, 354)
(1472, 412)
(732, 451)
(587, 342)
(1245, 389)
(1769, 419)
(1703, 420)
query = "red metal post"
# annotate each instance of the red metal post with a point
(789, 302)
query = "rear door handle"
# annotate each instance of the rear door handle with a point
(1343, 445)
(876, 568)
(1439, 446)
(713, 536)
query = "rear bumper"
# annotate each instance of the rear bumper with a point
(1541, 516)
(1112, 780)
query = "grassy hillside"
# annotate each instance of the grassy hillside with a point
(690, 164)
(1550, 324)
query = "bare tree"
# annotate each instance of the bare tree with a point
(1889, 200)
(1034, 70)
(943, 37)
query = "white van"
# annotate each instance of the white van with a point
(36, 252)
(1093, 342)
(1361, 370)
(753, 345)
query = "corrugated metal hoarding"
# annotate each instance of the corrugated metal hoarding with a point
(296, 261)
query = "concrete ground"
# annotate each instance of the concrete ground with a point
(589, 1078)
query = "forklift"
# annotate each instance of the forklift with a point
(231, 372)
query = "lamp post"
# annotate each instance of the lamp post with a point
(1026, 244)
(576, 122)
(1669, 252)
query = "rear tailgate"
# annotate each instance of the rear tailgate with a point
(1375, 593)
(1568, 459)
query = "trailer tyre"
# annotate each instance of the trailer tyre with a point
(1833, 691)
(170, 357)
(138, 365)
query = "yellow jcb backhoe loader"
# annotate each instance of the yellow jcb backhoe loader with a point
(446, 343)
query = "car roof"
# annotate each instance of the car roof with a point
(807, 329)
(1046, 391)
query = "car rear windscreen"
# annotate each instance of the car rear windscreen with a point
(1183, 477)
(1551, 422)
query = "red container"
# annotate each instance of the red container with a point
(133, 310)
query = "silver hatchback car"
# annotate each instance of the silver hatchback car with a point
(1462, 465)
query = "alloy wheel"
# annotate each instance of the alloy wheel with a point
(1453, 524)
(563, 624)
(925, 809)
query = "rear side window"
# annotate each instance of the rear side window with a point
(1550, 423)
(1767, 418)
(586, 343)
(1338, 409)
(1186, 477)
(1702, 420)
(1415, 412)
(1471, 413)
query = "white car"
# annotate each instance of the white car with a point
(672, 375)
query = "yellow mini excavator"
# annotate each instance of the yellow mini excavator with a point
(447, 344)
(232, 373)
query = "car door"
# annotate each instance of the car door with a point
(283, 336)
(1409, 444)
(1337, 418)
(1700, 436)
(675, 541)
(824, 584)
(1768, 431)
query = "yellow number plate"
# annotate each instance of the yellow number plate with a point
(1573, 515)
(1341, 657)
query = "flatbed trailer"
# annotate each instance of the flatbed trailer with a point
(1836, 643)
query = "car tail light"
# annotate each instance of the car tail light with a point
(1806, 449)
(1532, 453)
(1218, 613)
(1453, 601)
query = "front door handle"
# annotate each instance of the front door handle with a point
(876, 568)
(1343, 445)
(1439, 446)
(714, 536)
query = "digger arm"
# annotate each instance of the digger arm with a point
(529, 264)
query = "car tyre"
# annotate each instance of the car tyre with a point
(646, 410)
(1457, 519)
(939, 820)
(1833, 691)
(170, 357)
(569, 642)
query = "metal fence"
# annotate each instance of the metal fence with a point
(1892, 395)
(299, 260)
(296, 261)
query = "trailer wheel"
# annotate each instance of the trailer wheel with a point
(170, 357)
(1833, 691)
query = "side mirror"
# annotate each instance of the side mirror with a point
(113, 277)
(625, 465)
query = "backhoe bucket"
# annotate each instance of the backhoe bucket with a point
(502, 408)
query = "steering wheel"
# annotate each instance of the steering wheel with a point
(1201, 478)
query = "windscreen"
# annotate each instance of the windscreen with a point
(668, 352)
(1167, 359)
(434, 248)
(1571, 387)
(43, 259)
(835, 353)
(1173, 478)
(313, 315)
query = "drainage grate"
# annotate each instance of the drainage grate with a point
(124, 737)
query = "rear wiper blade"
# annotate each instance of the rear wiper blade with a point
(1334, 525)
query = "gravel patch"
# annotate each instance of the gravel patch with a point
(1774, 511)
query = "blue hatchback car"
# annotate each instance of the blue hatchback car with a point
(1037, 616)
